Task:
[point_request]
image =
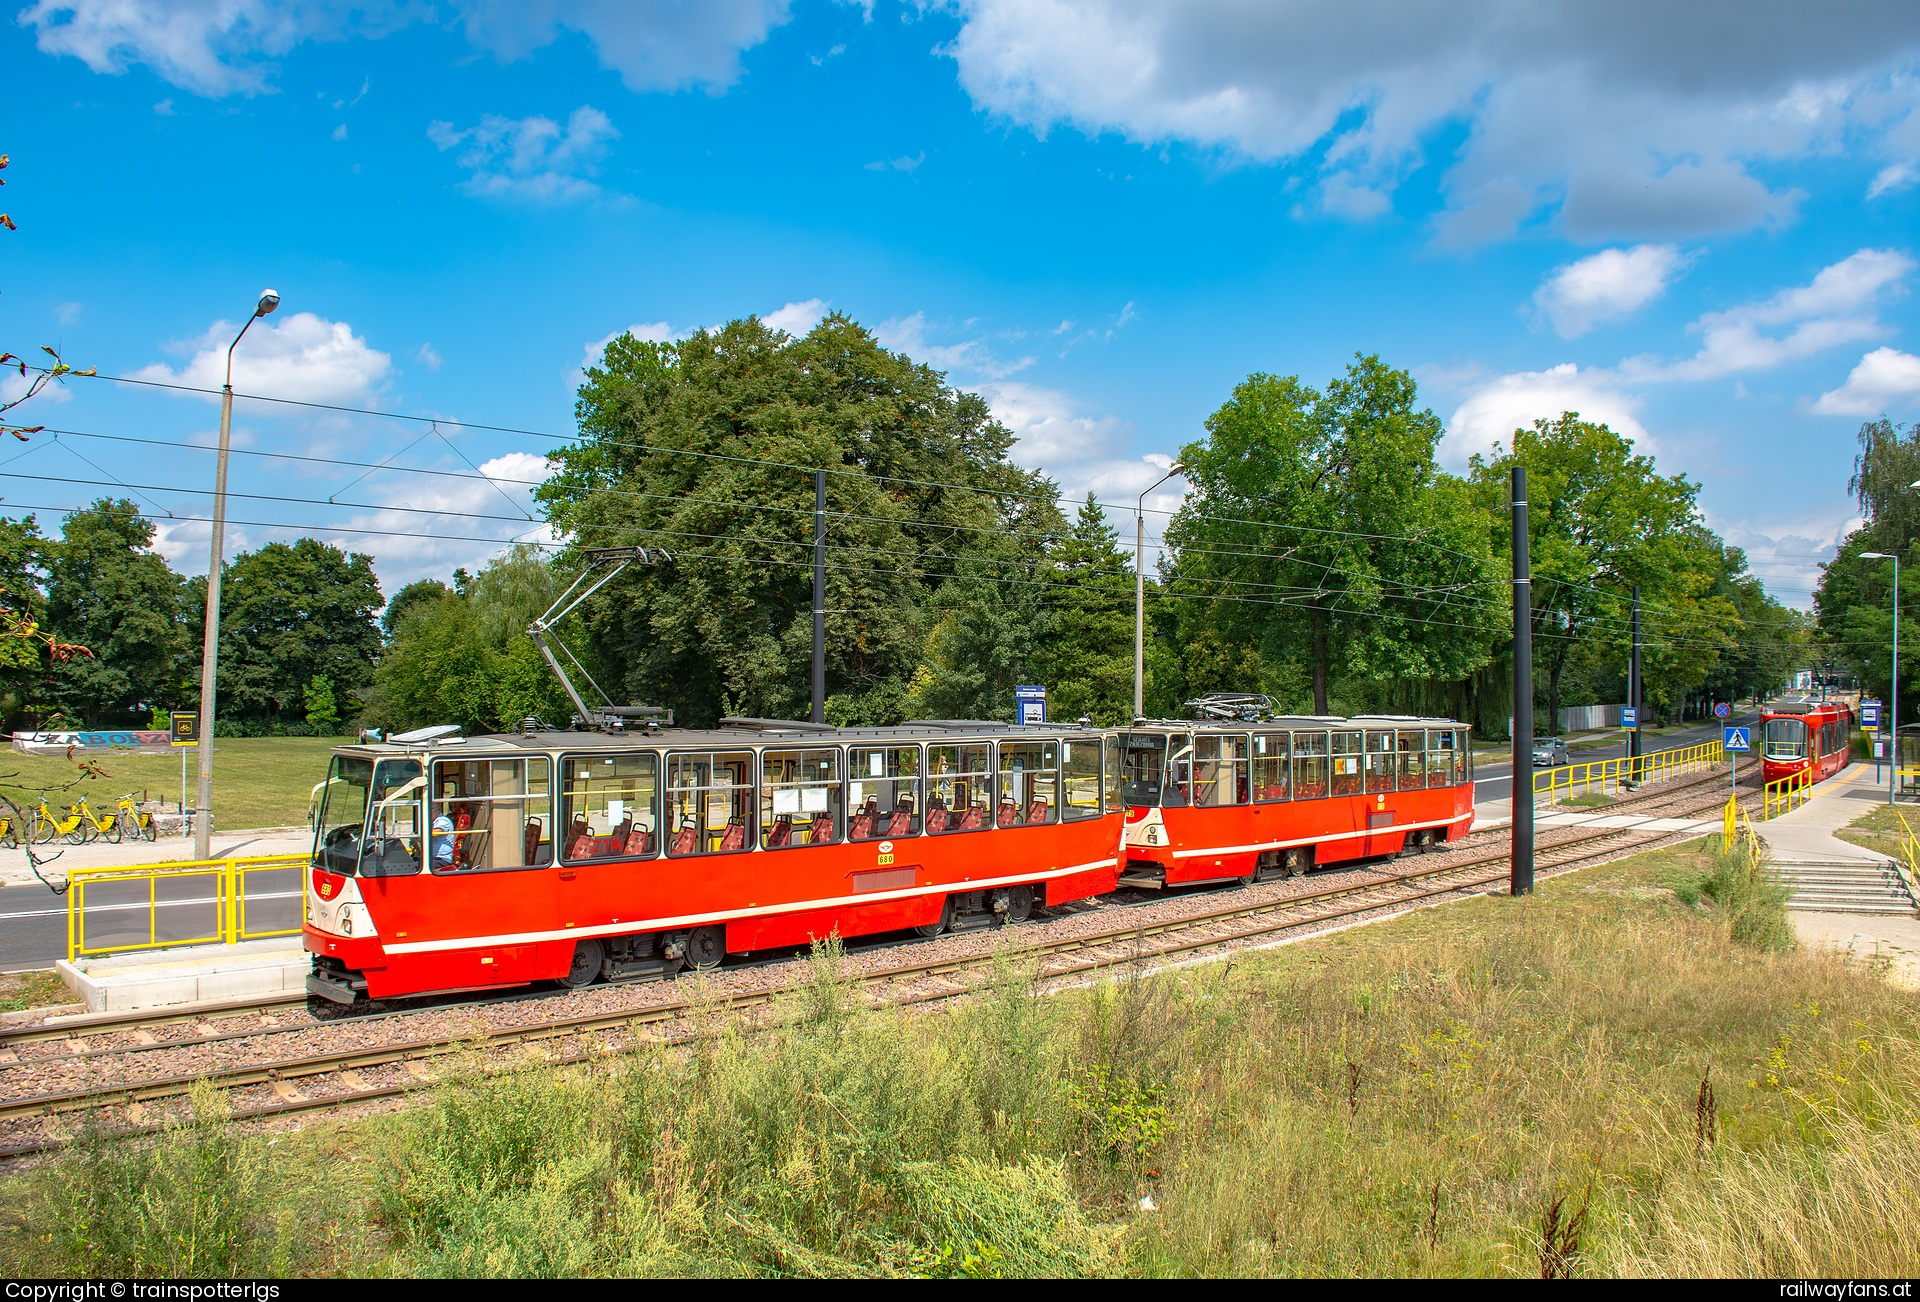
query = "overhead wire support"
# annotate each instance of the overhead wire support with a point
(607, 714)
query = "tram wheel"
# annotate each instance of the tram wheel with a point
(1020, 904)
(933, 929)
(1296, 862)
(706, 947)
(588, 955)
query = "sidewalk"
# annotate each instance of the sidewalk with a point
(242, 844)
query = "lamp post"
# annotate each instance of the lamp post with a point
(1140, 590)
(1893, 766)
(210, 647)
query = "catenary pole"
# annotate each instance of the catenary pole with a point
(210, 642)
(819, 596)
(1634, 692)
(1522, 882)
(1140, 590)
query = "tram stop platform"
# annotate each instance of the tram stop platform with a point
(196, 974)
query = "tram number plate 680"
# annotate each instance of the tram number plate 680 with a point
(884, 860)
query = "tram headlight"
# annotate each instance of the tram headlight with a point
(346, 922)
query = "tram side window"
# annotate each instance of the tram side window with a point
(610, 805)
(1080, 778)
(883, 792)
(1381, 763)
(1460, 757)
(959, 788)
(501, 811)
(1312, 767)
(1113, 775)
(1439, 757)
(799, 797)
(1270, 764)
(1029, 783)
(709, 798)
(1413, 759)
(1220, 770)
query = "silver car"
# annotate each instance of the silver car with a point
(1550, 751)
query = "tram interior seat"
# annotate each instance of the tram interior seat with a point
(937, 815)
(530, 840)
(735, 837)
(822, 830)
(860, 826)
(1037, 812)
(685, 839)
(974, 819)
(901, 824)
(1009, 814)
(781, 833)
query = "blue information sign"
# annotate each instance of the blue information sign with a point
(1629, 717)
(1030, 704)
(1869, 714)
(1737, 739)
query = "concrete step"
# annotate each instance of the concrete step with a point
(1815, 898)
(1888, 909)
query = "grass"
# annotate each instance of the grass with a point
(1596, 1080)
(41, 988)
(257, 781)
(1880, 829)
(1588, 800)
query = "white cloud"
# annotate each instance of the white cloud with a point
(1884, 380)
(303, 357)
(1633, 120)
(903, 163)
(14, 386)
(340, 132)
(534, 159)
(654, 332)
(220, 47)
(1894, 176)
(427, 357)
(796, 318)
(1838, 307)
(1082, 453)
(1787, 555)
(67, 313)
(1493, 411)
(1608, 286)
(908, 334)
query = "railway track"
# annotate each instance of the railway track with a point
(263, 1088)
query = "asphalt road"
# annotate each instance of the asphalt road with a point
(1495, 781)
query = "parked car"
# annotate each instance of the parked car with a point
(1549, 751)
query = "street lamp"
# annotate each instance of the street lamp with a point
(210, 647)
(1893, 765)
(1140, 591)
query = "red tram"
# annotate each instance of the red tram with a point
(1796, 738)
(435, 863)
(1222, 800)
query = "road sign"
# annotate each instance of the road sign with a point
(1629, 717)
(1869, 714)
(184, 728)
(1721, 710)
(1737, 739)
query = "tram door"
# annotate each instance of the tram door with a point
(492, 822)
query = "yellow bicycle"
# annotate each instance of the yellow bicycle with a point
(46, 824)
(131, 820)
(105, 825)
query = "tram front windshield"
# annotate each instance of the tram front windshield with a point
(353, 783)
(1144, 773)
(1784, 739)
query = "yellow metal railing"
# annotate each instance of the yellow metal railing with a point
(1605, 776)
(1783, 795)
(195, 902)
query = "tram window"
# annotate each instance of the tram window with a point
(501, 811)
(343, 814)
(1080, 778)
(1113, 775)
(1312, 768)
(1413, 759)
(1220, 770)
(1146, 776)
(883, 792)
(393, 844)
(1270, 762)
(709, 799)
(1029, 783)
(1439, 757)
(1379, 761)
(610, 806)
(959, 788)
(1784, 739)
(1460, 757)
(799, 797)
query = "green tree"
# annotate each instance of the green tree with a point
(1086, 660)
(1320, 530)
(1853, 605)
(323, 712)
(415, 593)
(107, 590)
(290, 613)
(706, 447)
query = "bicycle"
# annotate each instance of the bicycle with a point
(46, 824)
(131, 820)
(105, 825)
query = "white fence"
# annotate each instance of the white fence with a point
(1580, 718)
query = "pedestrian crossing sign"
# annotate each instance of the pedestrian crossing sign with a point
(1737, 739)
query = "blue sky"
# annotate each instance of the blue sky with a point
(1698, 222)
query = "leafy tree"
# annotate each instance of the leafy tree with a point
(416, 593)
(706, 447)
(1319, 529)
(290, 613)
(1602, 519)
(109, 591)
(1853, 605)
(1086, 660)
(323, 712)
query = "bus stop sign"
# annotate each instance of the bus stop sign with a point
(1737, 739)
(1869, 714)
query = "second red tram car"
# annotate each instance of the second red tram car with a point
(1806, 738)
(1215, 801)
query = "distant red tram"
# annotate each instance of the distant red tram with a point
(1219, 800)
(1799, 738)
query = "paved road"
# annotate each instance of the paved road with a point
(1495, 781)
